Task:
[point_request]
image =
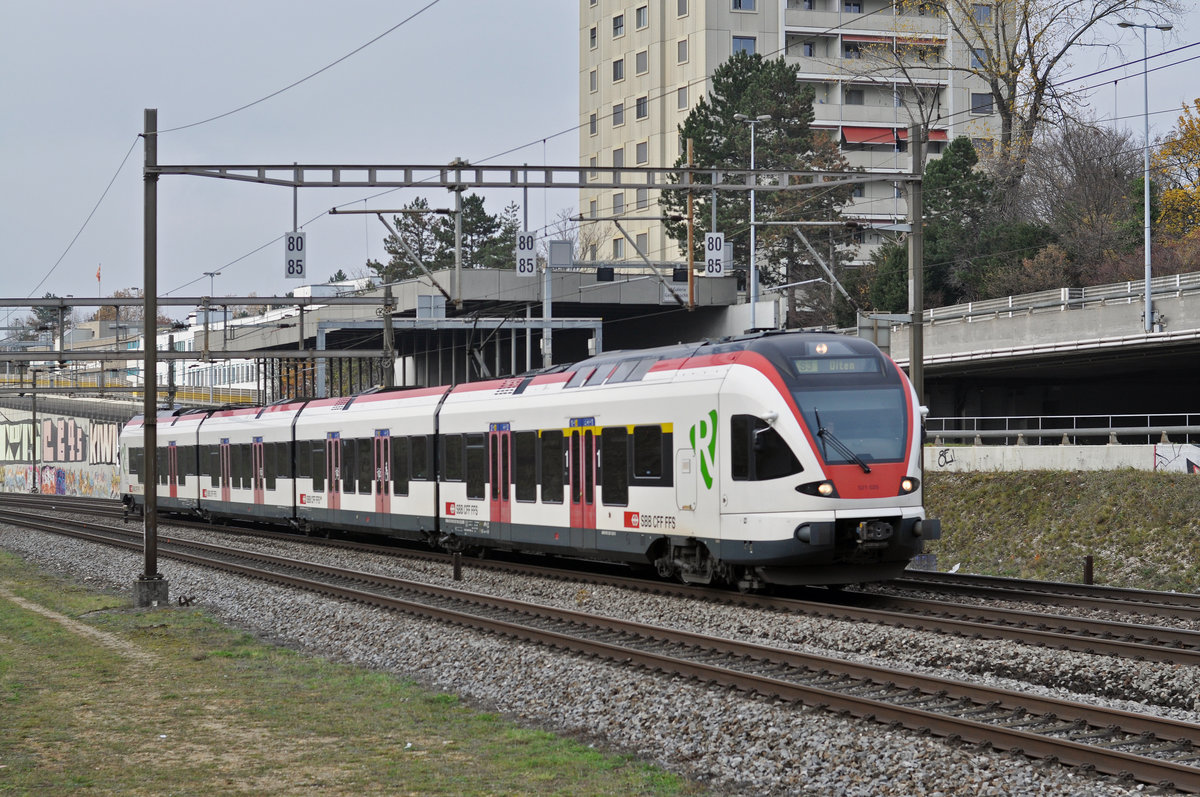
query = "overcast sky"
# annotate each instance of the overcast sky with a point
(465, 78)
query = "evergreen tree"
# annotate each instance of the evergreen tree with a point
(416, 230)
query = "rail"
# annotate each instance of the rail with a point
(1131, 429)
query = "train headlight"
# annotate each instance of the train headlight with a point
(824, 489)
(909, 484)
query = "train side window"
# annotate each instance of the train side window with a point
(319, 466)
(349, 471)
(620, 372)
(161, 460)
(579, 377)
(400, 447)
(757, 451)
(552, 467)
(270, 464)
(476, 470)
(647, 452)
(452, 457)
(525, 466)
(303, 459)
(366, 464)
(614, 465)
(641, 369)
(420, 457)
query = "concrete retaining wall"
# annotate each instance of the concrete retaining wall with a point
(1176, 457)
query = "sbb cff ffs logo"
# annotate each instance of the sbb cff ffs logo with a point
(633, 520)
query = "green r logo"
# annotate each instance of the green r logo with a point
(704, 443)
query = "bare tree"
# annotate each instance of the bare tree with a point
(586, 236)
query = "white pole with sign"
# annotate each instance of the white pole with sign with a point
(526, 254)
(294, 256)
(714, 254)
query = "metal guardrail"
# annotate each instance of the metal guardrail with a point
(1065, 429)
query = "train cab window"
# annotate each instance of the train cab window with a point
(525, 465)
(552, 467)
(614, 465)
(400, 448)
(420, 457)
(579, 377)
(452, 457)
(319, 466)
(647, 452)
(476, 466)
(758, 452)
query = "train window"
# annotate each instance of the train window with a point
(758, 452)
(366, 464)
(620, 372)
(579, 377)
(647, 452)
(400, 464)
(187, 461)
(420, 457)
(525, 467)
(552, 467)
(319, 467)
(303, 459)
(270, 465)
(640, 369)
(452, 457)
(614, 465)
(161, 461)
(600, 374)
(247, 466)
(476, 466)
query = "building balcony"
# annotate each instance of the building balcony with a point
(904, 25)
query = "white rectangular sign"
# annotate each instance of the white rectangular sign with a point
(526, 254)
(294, 256)
(714, 254)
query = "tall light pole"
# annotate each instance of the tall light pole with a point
(211, 280)
(1149, 312)
(752, 288)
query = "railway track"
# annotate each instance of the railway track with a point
(1035, 626)
(1149, 749)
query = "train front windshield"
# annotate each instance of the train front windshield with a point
(853, 394)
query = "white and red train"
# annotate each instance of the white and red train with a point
(777, 458)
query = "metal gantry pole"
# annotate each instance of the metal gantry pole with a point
(916, 263)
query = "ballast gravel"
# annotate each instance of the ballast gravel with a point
(735, 744)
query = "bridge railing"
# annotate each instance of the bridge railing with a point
(1064, 429)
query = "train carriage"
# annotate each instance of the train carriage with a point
(778, 458)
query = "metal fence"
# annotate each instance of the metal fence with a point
(1065, 429)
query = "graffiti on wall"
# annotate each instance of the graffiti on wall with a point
(74, 456)
(1178, 457)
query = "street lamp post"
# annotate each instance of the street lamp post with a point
(1149, 311)
(753, 287)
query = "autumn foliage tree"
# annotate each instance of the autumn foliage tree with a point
(1177, 163)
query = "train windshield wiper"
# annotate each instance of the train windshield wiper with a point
(842, 448)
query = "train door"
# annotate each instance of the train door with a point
(257, 470)
(500, 478)
(582, 474)
(382, 483)
(172, 470)
(333, 468)
(226, 474)
(685, 479)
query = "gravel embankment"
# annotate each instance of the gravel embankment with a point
(738, 745)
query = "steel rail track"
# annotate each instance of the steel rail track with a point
(1147, 748)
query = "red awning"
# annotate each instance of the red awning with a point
(934, 135)
(868, 39)
(869, 135)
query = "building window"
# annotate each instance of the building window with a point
(808, 49)
(982, 12)
(642, 16)
(592, 163)
(593, 80)
(743, 5)
(681, 8)
(854, 96)
(592, 37)
(978, 56)
(641, 62)
(618, 25)
(641, 152)
(618, 114)
(643, 240)
(618, 157)
(618, 205)
(681, 100)
(643, 199)
(981, 103)
(642, 107)
(592, 124)
(618, 70)
(682, 51)
(592, 253)
(853, 7)
(592, 208)
(743, 44)
(618, 248)
(851, 50)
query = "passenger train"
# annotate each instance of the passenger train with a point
(779, 458)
